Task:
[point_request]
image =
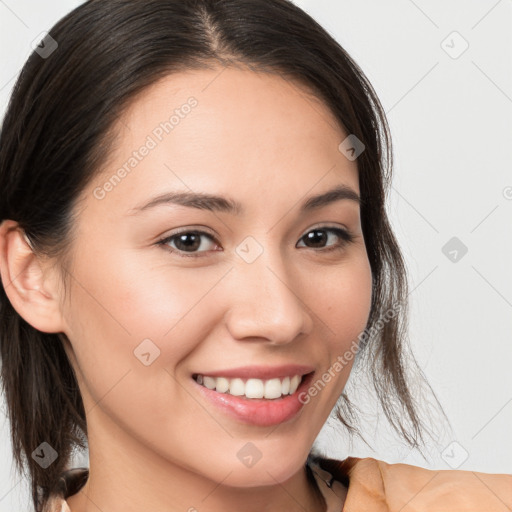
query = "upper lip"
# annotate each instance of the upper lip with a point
(260, 372)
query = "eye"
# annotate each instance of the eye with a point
(186, 242)
(318, 236)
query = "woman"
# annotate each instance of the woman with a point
(194, 248)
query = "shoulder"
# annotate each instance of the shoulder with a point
(377, 486)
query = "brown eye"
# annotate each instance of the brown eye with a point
(187, 242)
(318, 237)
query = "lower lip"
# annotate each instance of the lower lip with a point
(258, 411)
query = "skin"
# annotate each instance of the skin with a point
(154, 442)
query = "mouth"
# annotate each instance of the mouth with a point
(269, 389)
(256, 396)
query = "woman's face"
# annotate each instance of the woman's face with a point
(257, 293)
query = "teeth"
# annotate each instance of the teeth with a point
(237, 387)
(286, 385)
(274, 388)
(252, 388)
(209, 382)
(294, 383)
(222, 385)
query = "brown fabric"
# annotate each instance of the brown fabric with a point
(376, 486)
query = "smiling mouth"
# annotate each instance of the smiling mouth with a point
(270, 389)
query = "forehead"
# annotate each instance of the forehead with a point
(234, 102)
(226, 129)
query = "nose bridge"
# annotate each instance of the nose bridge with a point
(266, 303)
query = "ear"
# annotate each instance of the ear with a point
(30, 284)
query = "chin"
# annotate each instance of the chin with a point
(272, 468)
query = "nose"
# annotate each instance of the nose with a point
(265, 304)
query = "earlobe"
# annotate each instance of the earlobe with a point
(30, 287)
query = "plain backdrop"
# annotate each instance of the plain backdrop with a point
(443, 71)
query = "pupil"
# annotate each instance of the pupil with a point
(317, 234)
(195, 243)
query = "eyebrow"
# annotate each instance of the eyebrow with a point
(203, 201)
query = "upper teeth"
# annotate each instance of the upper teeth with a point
(252, 388)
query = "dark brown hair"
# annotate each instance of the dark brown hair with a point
(57, 132)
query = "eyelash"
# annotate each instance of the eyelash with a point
(343, 234)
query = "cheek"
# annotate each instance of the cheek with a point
(125, 303)
(130, 331)
(342, 302)
(126, 320)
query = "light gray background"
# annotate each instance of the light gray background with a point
(451, 121)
